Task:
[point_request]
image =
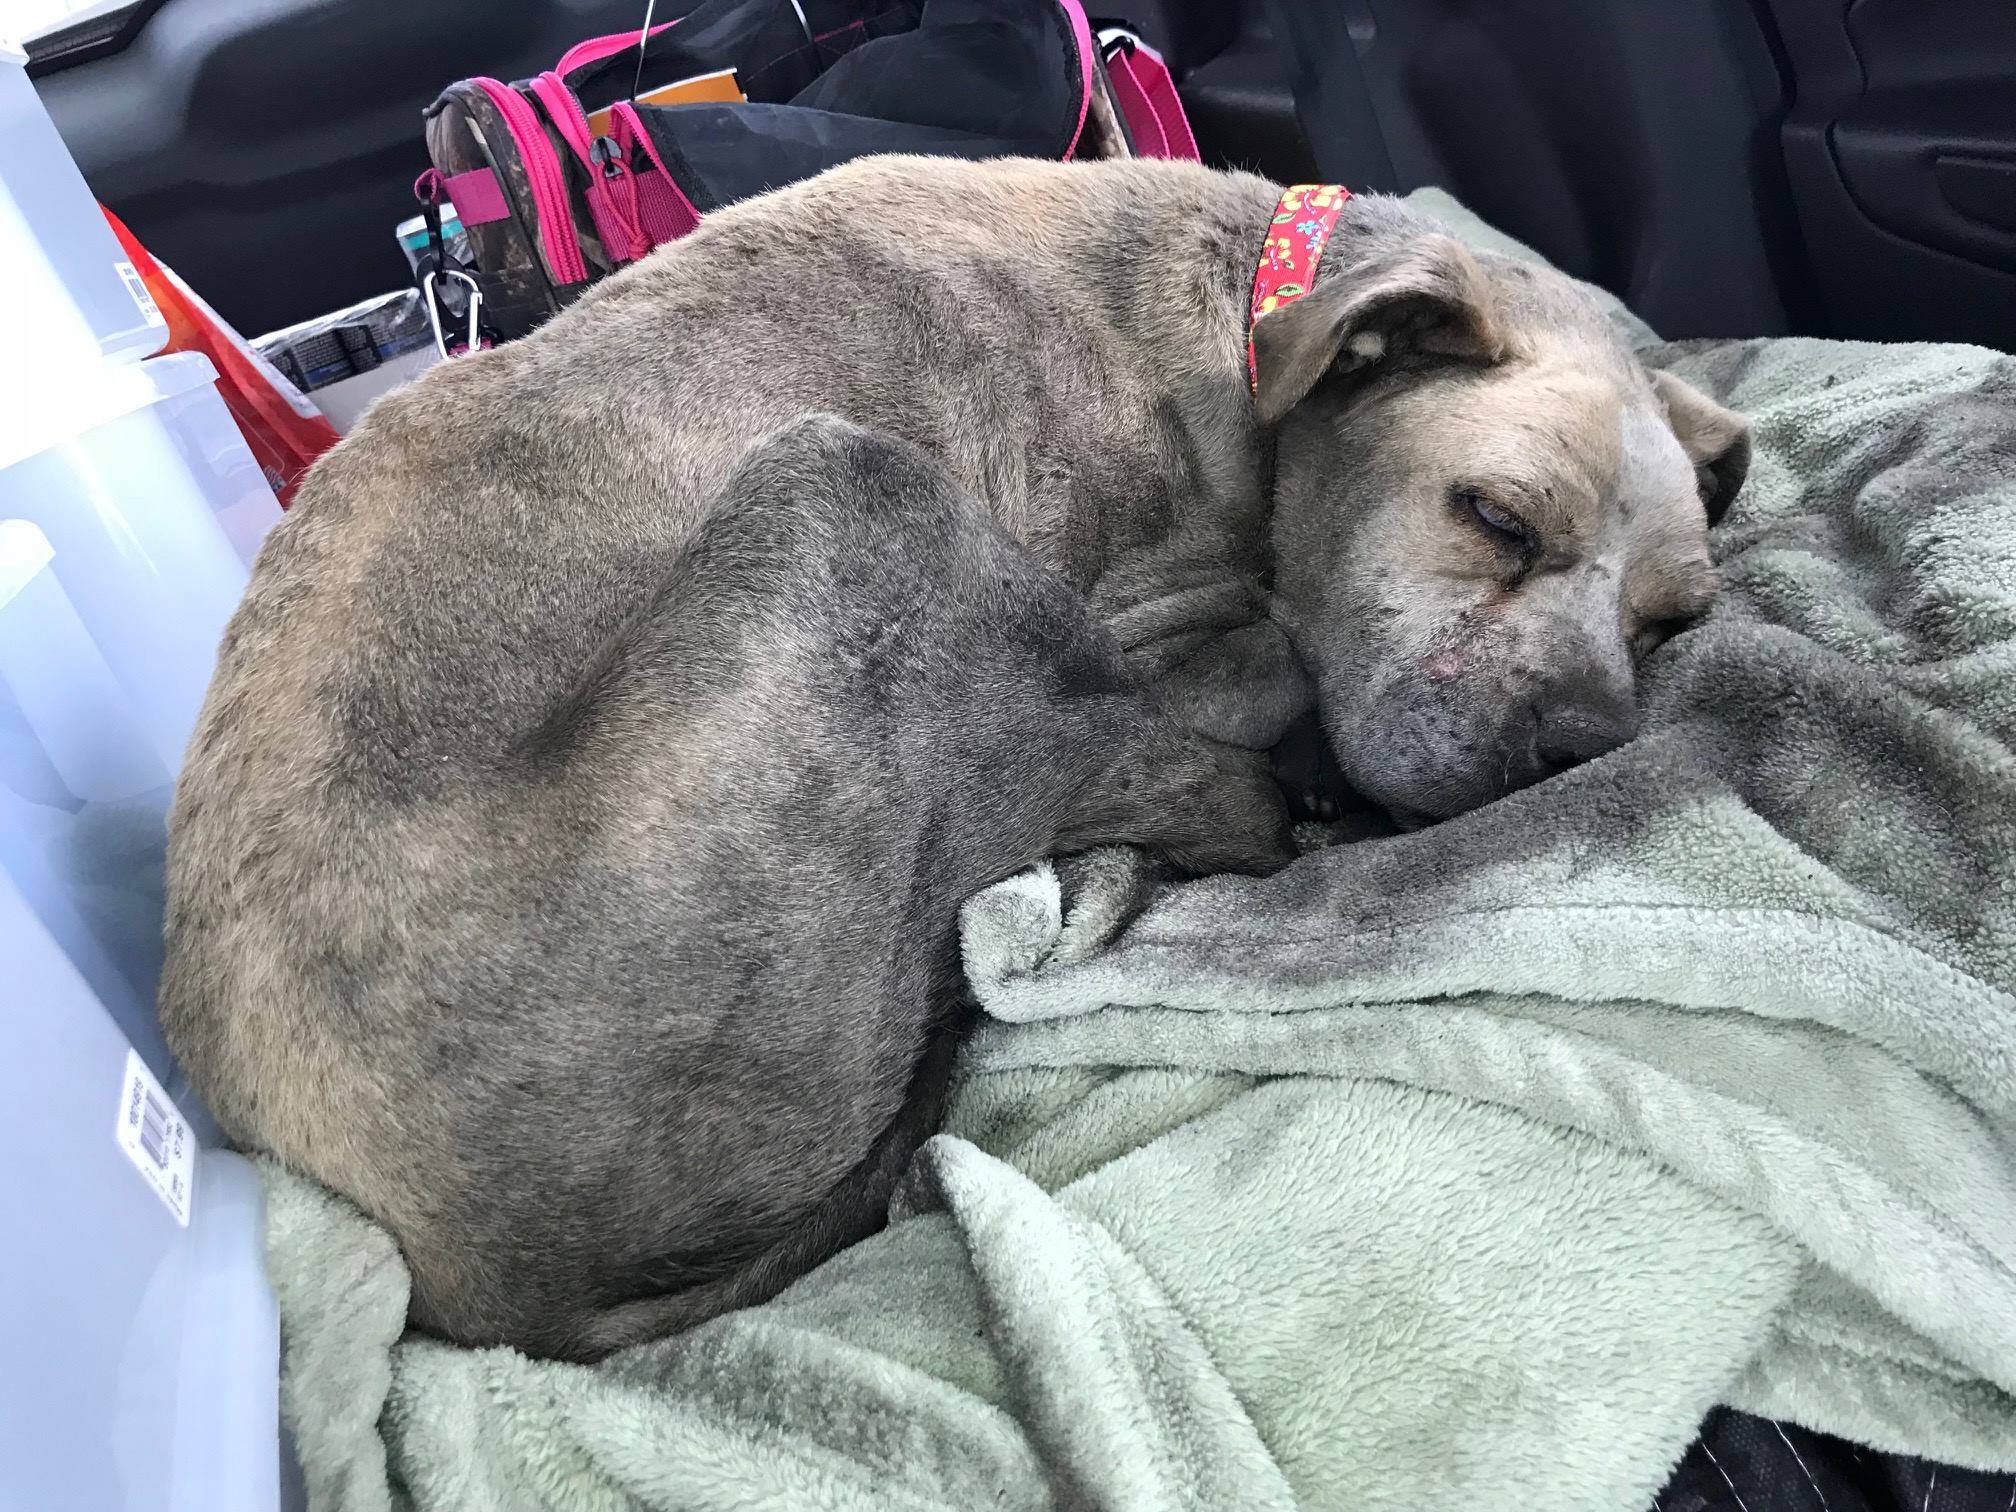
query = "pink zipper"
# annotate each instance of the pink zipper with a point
(629, 132)
(549, 184)
(620, 235)
(623, 192)
(1081, 38)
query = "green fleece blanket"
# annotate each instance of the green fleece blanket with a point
(1465, 1169)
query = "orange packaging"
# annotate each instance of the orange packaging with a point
(718, 88)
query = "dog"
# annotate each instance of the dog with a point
(567, 862)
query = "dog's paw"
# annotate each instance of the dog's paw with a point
(1237, 821)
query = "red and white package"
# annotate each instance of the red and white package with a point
(281, 425)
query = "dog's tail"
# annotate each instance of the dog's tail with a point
(856, 1207)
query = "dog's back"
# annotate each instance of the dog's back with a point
(566, 863)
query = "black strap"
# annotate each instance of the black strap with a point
(1331, 99)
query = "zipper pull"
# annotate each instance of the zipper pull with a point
(609, 155)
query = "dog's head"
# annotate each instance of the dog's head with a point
(1487, 513)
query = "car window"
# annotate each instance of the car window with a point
(26, 20)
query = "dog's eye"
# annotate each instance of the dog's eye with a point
(1497, 519)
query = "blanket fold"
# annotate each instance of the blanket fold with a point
(1461, 1169)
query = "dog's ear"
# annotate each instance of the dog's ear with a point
(1716, 440)
(1428, 296)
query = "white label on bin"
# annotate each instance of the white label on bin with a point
(137, 287)
(156, 1138)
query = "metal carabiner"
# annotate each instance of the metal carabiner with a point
(427, 293)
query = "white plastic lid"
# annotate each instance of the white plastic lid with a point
(58, 411)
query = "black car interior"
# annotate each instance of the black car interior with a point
(1835, 168)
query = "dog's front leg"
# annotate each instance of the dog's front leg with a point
(1206, 646)
(1244, 687)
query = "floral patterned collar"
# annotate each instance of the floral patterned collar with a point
(1304, 217)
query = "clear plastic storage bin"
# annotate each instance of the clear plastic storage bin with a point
(142, 1343)
(125, 547)
(72, 298)
(83, 793)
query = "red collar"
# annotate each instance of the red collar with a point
(1304, 217)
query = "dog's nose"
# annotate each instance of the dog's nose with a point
(1575, 730)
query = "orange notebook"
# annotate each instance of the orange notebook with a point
(718, 88)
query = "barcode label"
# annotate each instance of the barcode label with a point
(156, 1138)
(154, 1131)
(142, 295)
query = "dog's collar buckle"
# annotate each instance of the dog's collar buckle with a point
(1304, 217)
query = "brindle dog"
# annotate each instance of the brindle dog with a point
(568, 860)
